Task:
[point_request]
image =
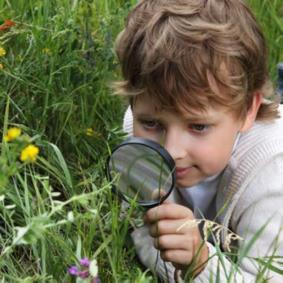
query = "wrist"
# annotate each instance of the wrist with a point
(202, 260)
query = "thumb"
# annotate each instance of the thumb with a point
(167, 201)
(157, 194)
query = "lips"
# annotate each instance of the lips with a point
(181, 172)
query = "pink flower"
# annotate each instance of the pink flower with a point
(85, 262)
(83, 274)
(73, 270)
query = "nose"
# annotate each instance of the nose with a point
(176, 144)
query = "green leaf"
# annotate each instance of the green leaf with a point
(63, 165)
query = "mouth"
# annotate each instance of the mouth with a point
(181, 172)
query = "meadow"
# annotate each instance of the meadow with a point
(59, 221)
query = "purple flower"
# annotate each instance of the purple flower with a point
(73, 270)
(83, 274)
(82, 270)
(84, 262)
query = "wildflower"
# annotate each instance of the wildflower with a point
(93, 268)
(87, 270)
(29, 153)
(89, 132)
(85, 262)
(83, 274)
(46, 51)
(73, 270)
(1, 66)
(2, 52)
(12, 134)
(7, 24)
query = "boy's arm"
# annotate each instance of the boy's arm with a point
(260, 206)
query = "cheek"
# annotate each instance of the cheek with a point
(138, 131)
(213, 157)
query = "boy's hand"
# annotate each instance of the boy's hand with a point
(178, 243)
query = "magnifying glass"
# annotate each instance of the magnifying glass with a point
(142, 171)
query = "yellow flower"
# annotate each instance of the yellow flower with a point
(1, 66)
(2, 52)
(29, 153)
(89, 132)
(12, 134)
(46, 51)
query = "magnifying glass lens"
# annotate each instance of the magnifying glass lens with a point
(141, 172)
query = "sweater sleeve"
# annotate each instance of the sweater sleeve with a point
(150, 256)
(258, 217)
(258, 220)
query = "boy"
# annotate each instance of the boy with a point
(196, 76)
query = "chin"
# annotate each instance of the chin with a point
(184, 184)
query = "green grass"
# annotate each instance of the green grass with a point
(54, 85)
(270, 16)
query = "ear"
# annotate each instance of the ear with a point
(252, 112)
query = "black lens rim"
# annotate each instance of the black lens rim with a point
(157, 148)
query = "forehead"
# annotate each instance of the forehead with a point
(146, 106)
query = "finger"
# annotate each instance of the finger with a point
(167, 211)
(178, 226)
(157, 194)
(167, 201)
(173, 242)
(178, 257)
(182, 258)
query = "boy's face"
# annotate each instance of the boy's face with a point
(200, 144)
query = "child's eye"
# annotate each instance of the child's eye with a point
(199, 128)
(150, 124)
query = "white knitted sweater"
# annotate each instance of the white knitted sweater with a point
(249, 196)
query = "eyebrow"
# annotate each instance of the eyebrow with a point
(145, 112)
(189, 118)
(198, 119)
